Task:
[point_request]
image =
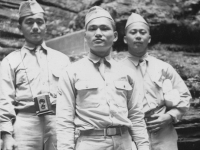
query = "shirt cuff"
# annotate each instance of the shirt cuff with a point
(7, 127)
(175, 114)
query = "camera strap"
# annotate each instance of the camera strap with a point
(37, 50)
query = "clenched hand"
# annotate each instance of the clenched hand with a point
(158, 122)
(8, 142)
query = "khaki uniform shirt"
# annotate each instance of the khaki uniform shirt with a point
(88, 101)
(156, 72)
(25, 75)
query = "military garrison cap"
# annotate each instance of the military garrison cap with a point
(96, 12)
(29, 7)
(133, 18)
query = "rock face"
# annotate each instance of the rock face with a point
(172, 21)
(175, 30)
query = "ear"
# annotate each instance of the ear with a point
(125, 41)
(85, 40)
(115, 36)
(20, 28)
(149, 39)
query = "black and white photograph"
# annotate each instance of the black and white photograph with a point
(99, 74)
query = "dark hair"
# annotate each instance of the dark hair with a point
(21, 19)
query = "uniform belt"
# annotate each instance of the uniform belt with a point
(111, 131)
(32, 109)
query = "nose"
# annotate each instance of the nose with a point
(98, 33)
(138, 36)
(35, 27)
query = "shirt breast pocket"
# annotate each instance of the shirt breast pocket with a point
(56, 74)
(122, 88)
(21, 77)
(87, 94)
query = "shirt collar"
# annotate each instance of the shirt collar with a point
(31, 47)
(95, 59)
(26, 47)
(136, 59)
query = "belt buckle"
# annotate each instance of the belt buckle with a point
(105, 132)
(111, 131)
(77, 133)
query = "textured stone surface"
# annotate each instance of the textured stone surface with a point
(172, 21)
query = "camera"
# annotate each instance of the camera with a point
(43, 104)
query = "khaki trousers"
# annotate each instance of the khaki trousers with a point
(164, 139)
(35, 133)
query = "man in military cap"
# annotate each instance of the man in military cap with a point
(166, 97)
(29, 75)
(100, 100)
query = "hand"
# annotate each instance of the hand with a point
(159, 121)
(8, 142)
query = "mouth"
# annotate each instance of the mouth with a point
(138, 43)
(98, 40)
(35, 34)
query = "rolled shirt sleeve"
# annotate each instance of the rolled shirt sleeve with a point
(185, 96)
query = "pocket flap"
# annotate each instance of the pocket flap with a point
(56, 72)
(124, 85)
(158, 83)
(81, 85)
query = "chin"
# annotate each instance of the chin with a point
(37, 42)
(100, 52)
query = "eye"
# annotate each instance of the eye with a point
(104, 28)
(133, 32)
(40, 22)
(92, 28)
(143, 32)
(29, 22)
